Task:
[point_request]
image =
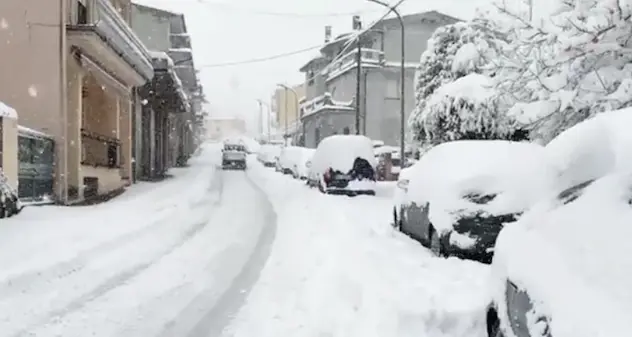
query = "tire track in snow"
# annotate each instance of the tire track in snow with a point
(125, 275)
(207, 313)
(25, 281)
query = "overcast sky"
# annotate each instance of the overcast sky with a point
(234, 30)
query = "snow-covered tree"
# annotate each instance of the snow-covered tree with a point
(459, 58)
(563, 70)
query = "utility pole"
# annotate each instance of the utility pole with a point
(270, 120)
(357, 24)
(358, 86)
(260, 118)
(285, 116)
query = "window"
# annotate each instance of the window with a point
(346, 130)
(82, 13)
(392, 88)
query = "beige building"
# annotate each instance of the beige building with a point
(286, 103)
(69, 69)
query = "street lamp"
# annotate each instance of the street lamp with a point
(402, 112)
(288, 88)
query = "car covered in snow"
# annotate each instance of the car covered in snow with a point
(344, 164)
(268, 154)
(564, 269)
(234, 155)
(302, 164)
(459, 195)
(289, 158)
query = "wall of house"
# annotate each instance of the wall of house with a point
(31, 59)
(325, 124)
(152, 29)
(289, 108)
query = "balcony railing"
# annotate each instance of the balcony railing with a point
(321, 102)
(99, 150)
(372, 57)
(101, 16)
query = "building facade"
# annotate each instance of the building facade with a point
(74, 66)
(329, 106)
(286, 108)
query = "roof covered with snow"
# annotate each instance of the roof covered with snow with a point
(7, 111)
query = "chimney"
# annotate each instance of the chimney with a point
(357, 24)
(327, 34)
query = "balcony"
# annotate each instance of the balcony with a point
(99, 150)
(101, 34)
(324, 102)
(370, 58)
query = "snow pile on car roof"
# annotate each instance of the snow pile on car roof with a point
(340, 151)
(519, 173)
(593, 148)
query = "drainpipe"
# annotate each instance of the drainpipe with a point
(63, 105)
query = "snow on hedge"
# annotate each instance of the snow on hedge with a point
(463, 49)
(463, 109)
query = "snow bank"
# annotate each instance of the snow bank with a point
(7, 111)
(338, 269)
(340, 151)
(518, 172)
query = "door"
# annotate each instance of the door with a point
(36, 167)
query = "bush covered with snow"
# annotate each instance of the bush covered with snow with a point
(569, 67)
(454, 94)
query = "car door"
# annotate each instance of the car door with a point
(416, 221)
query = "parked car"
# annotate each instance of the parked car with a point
(344, 164)
(301, 167)
(563, 269)
(234, 156)
(460, 194)
(268, 154)
(289, 158)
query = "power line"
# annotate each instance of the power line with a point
(229, 6)
(261, 59)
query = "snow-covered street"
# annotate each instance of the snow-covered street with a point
(338, 268)
(163, 260)
(228, 253)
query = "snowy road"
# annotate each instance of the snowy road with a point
(175, 261)
(231, 254)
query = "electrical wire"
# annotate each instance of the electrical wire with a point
(261, 59)
(232, 7)
(353, 37)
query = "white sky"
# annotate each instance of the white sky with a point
(235, 30)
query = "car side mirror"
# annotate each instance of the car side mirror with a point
(403, 184)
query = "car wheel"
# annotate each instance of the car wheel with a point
(397, 223)
(494, 330)
(435, 242)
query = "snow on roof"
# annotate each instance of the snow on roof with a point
(581, 250)
(31, 132)
(7, 111)
(161, 55)
(340, 151)
(518, 172)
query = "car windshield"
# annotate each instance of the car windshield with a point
(233, 147)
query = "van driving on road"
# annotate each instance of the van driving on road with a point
(234, 156)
